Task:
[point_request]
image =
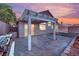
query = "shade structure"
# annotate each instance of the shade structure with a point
(32, 17)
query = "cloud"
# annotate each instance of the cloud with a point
(69, 20)
(57, 9)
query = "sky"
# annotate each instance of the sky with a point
(68, 13)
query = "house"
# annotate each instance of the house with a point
(38, 26)
(34, 23)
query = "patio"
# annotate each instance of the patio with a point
(42, 45)
(30, 17)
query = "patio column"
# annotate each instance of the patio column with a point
(29, 33)
(46, 26)
(54, 31)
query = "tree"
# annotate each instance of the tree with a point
(6, 14)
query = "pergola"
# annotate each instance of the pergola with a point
(34, 17)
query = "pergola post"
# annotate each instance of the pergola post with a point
(29, 33)
(54, 31)
(46, 26)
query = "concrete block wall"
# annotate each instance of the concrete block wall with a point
(63, 29)
(74, 29)
(3, 28)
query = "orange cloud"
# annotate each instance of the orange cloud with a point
(69, 20)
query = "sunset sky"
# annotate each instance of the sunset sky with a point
(66, 13)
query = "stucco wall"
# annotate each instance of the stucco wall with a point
(3, 28)
(21, 29)
(35, 29)
(47, 30)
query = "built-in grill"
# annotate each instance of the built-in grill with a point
(4, 42)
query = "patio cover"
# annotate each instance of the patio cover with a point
(35, 18)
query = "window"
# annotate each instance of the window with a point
(52, 27)
(32, 29)
(42, 26)
(26, 30)
(56, 27)
(49, 23)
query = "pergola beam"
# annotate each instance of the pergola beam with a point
(39, 18)
(42, 19)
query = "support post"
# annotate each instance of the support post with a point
(54, 31)
(46, 26)
(29, 34)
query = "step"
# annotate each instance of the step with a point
(1, 53)
(75, 46)
(76, 42)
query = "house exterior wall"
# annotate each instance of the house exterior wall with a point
(3, 28)
(38, 31)
(21, 29)
(35, 29)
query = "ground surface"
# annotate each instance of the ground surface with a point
(74, 50)
(42, 45)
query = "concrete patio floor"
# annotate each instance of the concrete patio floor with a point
(42, 45)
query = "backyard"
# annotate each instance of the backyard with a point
(42, 45)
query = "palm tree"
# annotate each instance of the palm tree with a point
(6, 14)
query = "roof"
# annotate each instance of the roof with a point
(47, 12)
(43, 16)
